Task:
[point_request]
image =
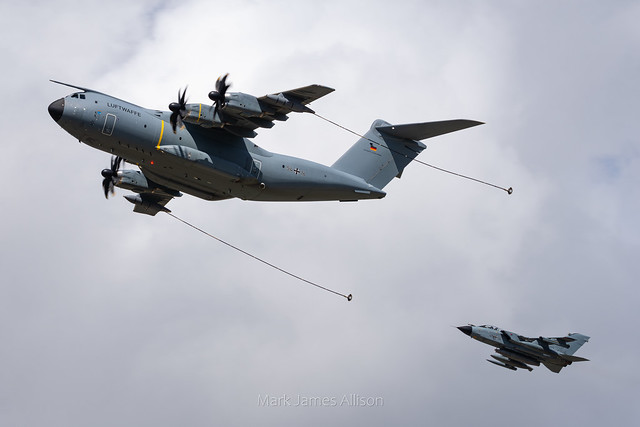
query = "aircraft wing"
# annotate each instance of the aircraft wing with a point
(514, 359)
(295, 99)
(243, 113)
(555, 364)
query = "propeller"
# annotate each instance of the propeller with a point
(218, 95)
(110, 175)
(178, 111)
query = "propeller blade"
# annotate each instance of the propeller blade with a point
(221, 84)
(115, 163)
(173, 120)
(178, 110)
(181, 98)
(105, 186)
(110, 175)
(218, 96)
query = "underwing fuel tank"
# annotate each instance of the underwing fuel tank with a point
(515, 363)
(502, 365)
(518, 357)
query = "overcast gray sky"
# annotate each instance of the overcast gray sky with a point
(112, 318)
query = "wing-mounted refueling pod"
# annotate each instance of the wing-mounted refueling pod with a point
(151, 197)
(136, 181)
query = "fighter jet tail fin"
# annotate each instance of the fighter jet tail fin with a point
(387, 149)
(576, 341)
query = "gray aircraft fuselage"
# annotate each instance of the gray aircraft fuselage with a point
(206, 151)
(237, 167)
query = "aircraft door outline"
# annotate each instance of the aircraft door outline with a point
(256, 167)
(109, 124)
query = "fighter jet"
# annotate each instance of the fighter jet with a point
(515, 351)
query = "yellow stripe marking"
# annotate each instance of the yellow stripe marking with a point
(161, 133)
(199, 111)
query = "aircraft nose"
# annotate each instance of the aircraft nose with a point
(465, 330)
(56, 108)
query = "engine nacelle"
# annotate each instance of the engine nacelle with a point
(237, 105)
(132, 180)
(243, 105)
(202, 115)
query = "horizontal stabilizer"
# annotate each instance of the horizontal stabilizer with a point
(420, 131)
(552, 366)
(570, 358)
(385, 150)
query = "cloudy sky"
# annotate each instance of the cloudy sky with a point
(112, 318)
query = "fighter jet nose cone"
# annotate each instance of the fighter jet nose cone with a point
(56, 108)
(465, 330)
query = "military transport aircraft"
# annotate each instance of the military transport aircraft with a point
(515, 351)
(206, 150)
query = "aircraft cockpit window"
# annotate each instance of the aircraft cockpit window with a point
(82, 96)
(75, 95)
(489, 327)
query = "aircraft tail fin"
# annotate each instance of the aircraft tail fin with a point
(576, 341)
(387, 149)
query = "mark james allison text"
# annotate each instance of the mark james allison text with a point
(351, 399)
